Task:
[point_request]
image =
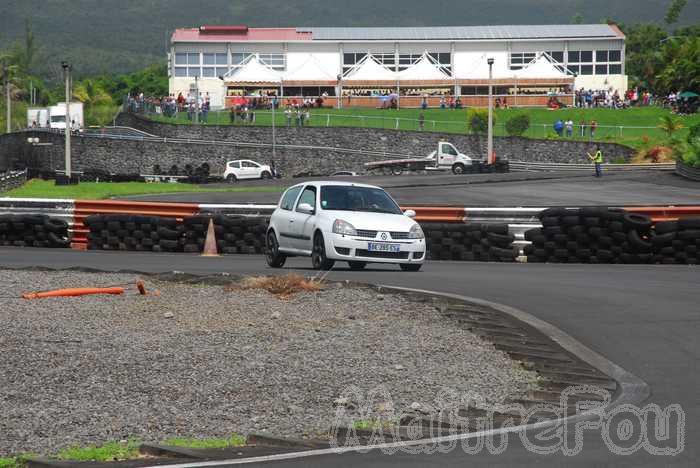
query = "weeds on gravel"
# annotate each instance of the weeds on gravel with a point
(110, 451)
(235, 440)
(281, 286)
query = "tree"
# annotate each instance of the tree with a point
(577, 19)
(681, 69)
(670, 126)
(478, 120)
(518, 124)
(674, 11)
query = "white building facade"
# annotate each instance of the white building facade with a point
(356, 66)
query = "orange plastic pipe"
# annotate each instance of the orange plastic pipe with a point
(75, 292)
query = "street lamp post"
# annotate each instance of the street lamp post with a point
(274, 135)
(196, 99)
(67, 70)
(489, 155)
(8, 105)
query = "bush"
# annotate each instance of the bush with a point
(478, 120)
(518, 124)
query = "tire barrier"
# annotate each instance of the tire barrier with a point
(33, 230)
(234, 234)
(470, 242)
(610, 235)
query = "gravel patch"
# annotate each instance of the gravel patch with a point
(201, 361)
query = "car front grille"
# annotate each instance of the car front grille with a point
(366, 234)
(392, 255)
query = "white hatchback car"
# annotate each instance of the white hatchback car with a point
(246, 169)
(342, 221)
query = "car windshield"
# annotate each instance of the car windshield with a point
(351, 198)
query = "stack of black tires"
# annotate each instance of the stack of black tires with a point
(470, 242)
(234, 234)
(133, 232)
(33, 231)
(608, 235)
(676, 242)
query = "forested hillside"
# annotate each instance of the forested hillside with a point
(101, 36)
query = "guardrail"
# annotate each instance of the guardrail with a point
(522, 166)
(689, 172)
(519, 219)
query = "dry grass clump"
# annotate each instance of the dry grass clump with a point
(281, 286)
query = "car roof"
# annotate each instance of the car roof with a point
(319, 183)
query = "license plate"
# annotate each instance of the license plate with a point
(377, 247)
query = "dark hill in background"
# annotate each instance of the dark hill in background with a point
(124, 35)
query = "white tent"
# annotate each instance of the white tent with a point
(252, 71)
(479, 70)
(423, 69)
(540, 68)
(368, 69)
(311, 70)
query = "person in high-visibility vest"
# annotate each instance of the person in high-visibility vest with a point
(597, 159)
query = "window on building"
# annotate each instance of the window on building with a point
(209, 72)
(222, 58)
(209, 59)
(239, 57)
(180, 59)
(586, 56)
(601, 56)
(221, 71)
(274, 61)
(586, 70)
(194, 71)
(193, 59)
(615, 69)
(518, 60)
(180, 72)
(556, 55)
(601, 69)
(615, 55)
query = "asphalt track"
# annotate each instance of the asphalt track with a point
(643, 318)
(493, 190)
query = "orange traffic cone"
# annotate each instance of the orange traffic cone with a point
(210, 249)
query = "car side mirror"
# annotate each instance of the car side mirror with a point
(410, 213)
(305, 208)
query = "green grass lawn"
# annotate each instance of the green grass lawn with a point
(37, 188)
(609, 121)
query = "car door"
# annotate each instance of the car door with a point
(446, 155)
(248, 170)
(302, 224)
(283, 217)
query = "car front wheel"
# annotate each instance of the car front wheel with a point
(357, 265)
(274, 258)
(318, 254)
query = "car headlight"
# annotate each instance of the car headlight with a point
(344, 228)
(416, 232)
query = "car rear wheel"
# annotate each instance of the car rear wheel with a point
(231, 179)
(274, 258)
(266, 175)
(411, 266)
(357, 265)
(318, 254)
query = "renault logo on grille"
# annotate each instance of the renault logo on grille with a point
(384, 236)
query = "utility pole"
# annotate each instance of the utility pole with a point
(490, 132)
(66, 71)
(196, 99)
(274, 102)
(8, 104)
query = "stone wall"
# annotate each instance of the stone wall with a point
(409, 143)
(12, 180)
(133, 156)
